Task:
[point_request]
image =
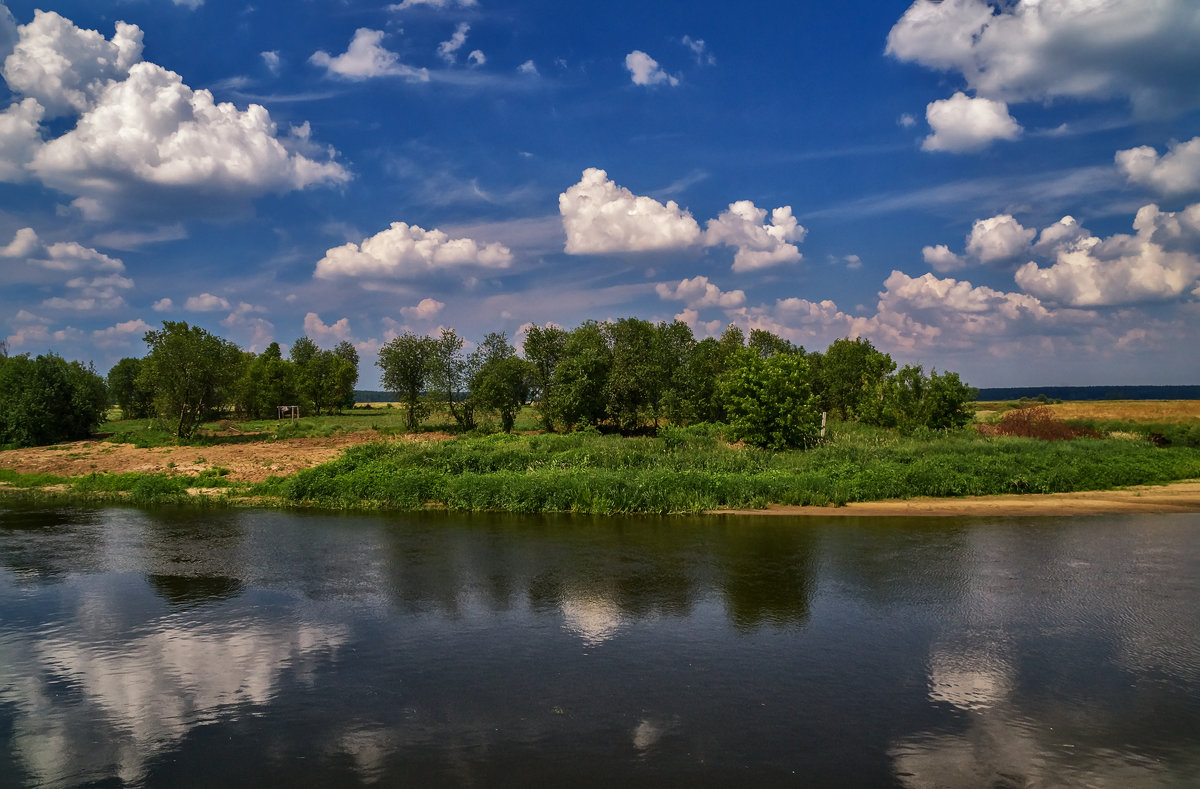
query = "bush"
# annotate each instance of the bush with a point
(1037, 422)
(47, 400)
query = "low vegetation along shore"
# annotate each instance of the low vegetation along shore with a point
(366, 460)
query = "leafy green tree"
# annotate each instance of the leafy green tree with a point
(767, 344)
(501, 379)
(633, 383)
(707, 364)
(191, 372)
(770, 402)
(852, 374)
(268, 381)
(303, 350)
(406, 361)
(346, 350)
(674, 345)
(449, 378)
(581, 376)
(545, 347)
(327, 381)
(48, 399)
(134, 401)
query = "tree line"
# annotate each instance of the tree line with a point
(632, 375)
(190, 375)
(628, 375)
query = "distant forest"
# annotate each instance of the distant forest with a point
(1092, 392)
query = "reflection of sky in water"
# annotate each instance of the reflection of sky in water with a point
(318, 650)
(90, 700)
(1109, 613)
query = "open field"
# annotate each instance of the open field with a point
(1142, 411)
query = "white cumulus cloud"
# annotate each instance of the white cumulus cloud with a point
(1040, 50)
(1177, 172)
(205, 302)
(941, 259)
(601, 217)
(366, 58)
(1157, 264)
(66, 68)
(759, 244)
(423, 310)
(644, 70)
(961, 124)
(142, 139)
(999, 239)
(20, 137)
(698, 293)
(151, 130)
(316, 330)
(405, 250)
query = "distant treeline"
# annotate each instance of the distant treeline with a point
(1092, 393)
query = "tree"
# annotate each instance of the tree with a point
(632, 386)
(134, 401)
(770, 402)
(544, 349)
(766, 344)
(48, 399)
(501, 379)
(406, 361)
(449, 377)
(674, 345)
(191, 372)
(346, 350)
(852, 373)
(267, 382)
(581, 376)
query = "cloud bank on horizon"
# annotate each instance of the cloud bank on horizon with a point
(352, 170)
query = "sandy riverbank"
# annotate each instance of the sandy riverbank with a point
(1174, 497)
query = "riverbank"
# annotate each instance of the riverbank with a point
(1173, 497)
(860, 471)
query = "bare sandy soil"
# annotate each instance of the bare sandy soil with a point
(1175, 497)
(248, 462)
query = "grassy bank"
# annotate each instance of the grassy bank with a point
(693, 469)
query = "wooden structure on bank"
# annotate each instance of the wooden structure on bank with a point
(287, 411)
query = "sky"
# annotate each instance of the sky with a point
(1007, 190)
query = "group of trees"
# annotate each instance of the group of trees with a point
(47, 399)
(421, 370)
(189, 375)
(631, 374)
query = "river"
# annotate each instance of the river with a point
(206, 647)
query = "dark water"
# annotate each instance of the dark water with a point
(182, 648)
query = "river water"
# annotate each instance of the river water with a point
(184, 647)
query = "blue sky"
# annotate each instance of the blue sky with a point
(1012, 192)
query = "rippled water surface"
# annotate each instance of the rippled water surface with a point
(209, 648)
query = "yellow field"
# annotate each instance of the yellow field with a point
(1135, 410)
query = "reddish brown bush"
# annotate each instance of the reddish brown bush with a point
(1038, 422)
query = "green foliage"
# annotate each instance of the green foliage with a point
(851, 374)
(191, 372)
(267, 382)
(770, 402)
(581, 377)
(48, 399)
(135, 401)
(909, 399)
(500, 381)
(545, 347)
(692, 469)
(449, 376)
(406, 361)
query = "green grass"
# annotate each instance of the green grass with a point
(692, 470)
